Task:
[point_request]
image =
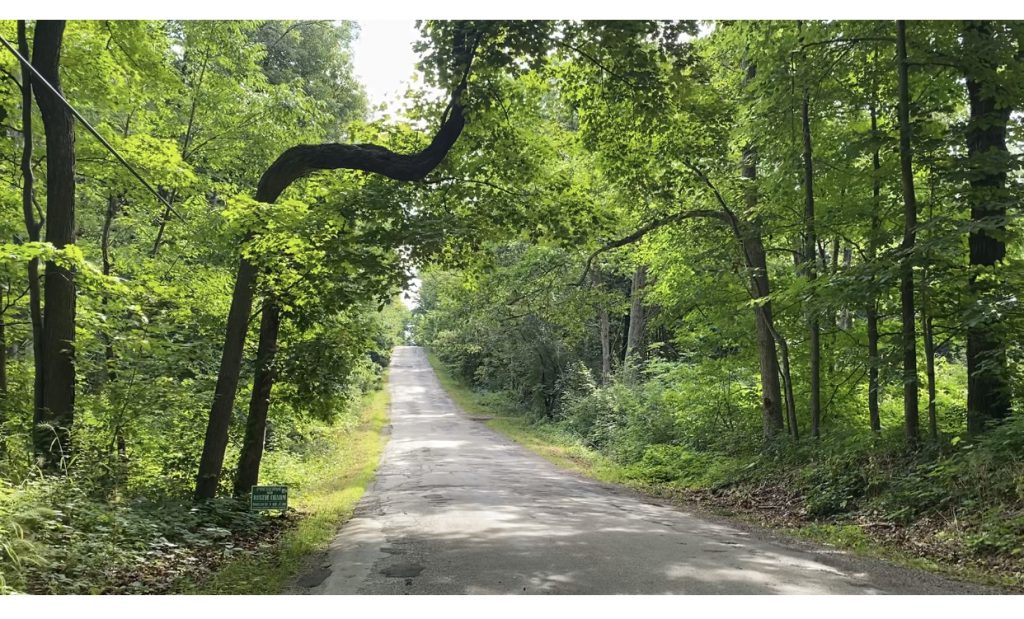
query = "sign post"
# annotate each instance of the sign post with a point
(263, 498)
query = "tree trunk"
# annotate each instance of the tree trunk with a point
(216, 440)
(113, 203)
(109, 374)
(164, 220)
(248, 472)
(290, 166)
(872, 309)
(32, 227)
(929, 361)
(606, 346)
(845, 315)
(909, 339)
(53, 441)
(3, 385)
(787, 381)
(3, 366)
(810, 267)
(767, 356)
(988, 391)
(637, 314)
(760, 289)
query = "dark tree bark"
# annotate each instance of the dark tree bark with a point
(248, 471)
(109, 373)
(760, 288)
(929, 365)
(749, 233)
(845, 321)
(604, 330)
(988, 391)
(32, 227)
(787, 382)
(113, 205)
(907, 314)
(872, 309)
(290, 166)
(810, 266)
(53, 440)
(637, 314)
(165, 218)
(3, 365)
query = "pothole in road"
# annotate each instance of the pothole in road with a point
(402, 570)
(314, 578)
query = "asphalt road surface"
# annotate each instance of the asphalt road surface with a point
(458, 508)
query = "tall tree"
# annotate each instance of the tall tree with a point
(249, 460)
(907, 314)
(810, 264)
(874, 361)
(760, 288)
(988, 389)
(32, 225)
(637, 313)
(53, 427)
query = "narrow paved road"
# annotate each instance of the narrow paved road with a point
(457, 508)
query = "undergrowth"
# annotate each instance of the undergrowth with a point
(70, 535)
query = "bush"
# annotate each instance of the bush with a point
(680, 466)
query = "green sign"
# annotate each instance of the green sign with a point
(268, 497)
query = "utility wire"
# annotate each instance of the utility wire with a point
(38, 77)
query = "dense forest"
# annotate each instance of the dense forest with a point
(771, 263)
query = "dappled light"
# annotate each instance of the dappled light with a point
(457, 508)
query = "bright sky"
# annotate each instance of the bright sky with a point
(384, 60)
(385, 63)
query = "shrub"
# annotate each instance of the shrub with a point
(680, 466)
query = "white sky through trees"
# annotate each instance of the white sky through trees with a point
(385, 64)
(384, 61)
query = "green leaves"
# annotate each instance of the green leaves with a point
(70, 257)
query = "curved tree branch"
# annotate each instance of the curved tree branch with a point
(643, 230)
(299, 161)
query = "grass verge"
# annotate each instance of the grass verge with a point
(324, 500)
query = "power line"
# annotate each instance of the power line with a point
(92, 130)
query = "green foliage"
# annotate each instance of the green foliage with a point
(200, 108)
(594, 152)
(680, 466)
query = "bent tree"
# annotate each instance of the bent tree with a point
(291, 165)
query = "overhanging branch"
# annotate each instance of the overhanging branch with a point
(642, 231)
(301, 160)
